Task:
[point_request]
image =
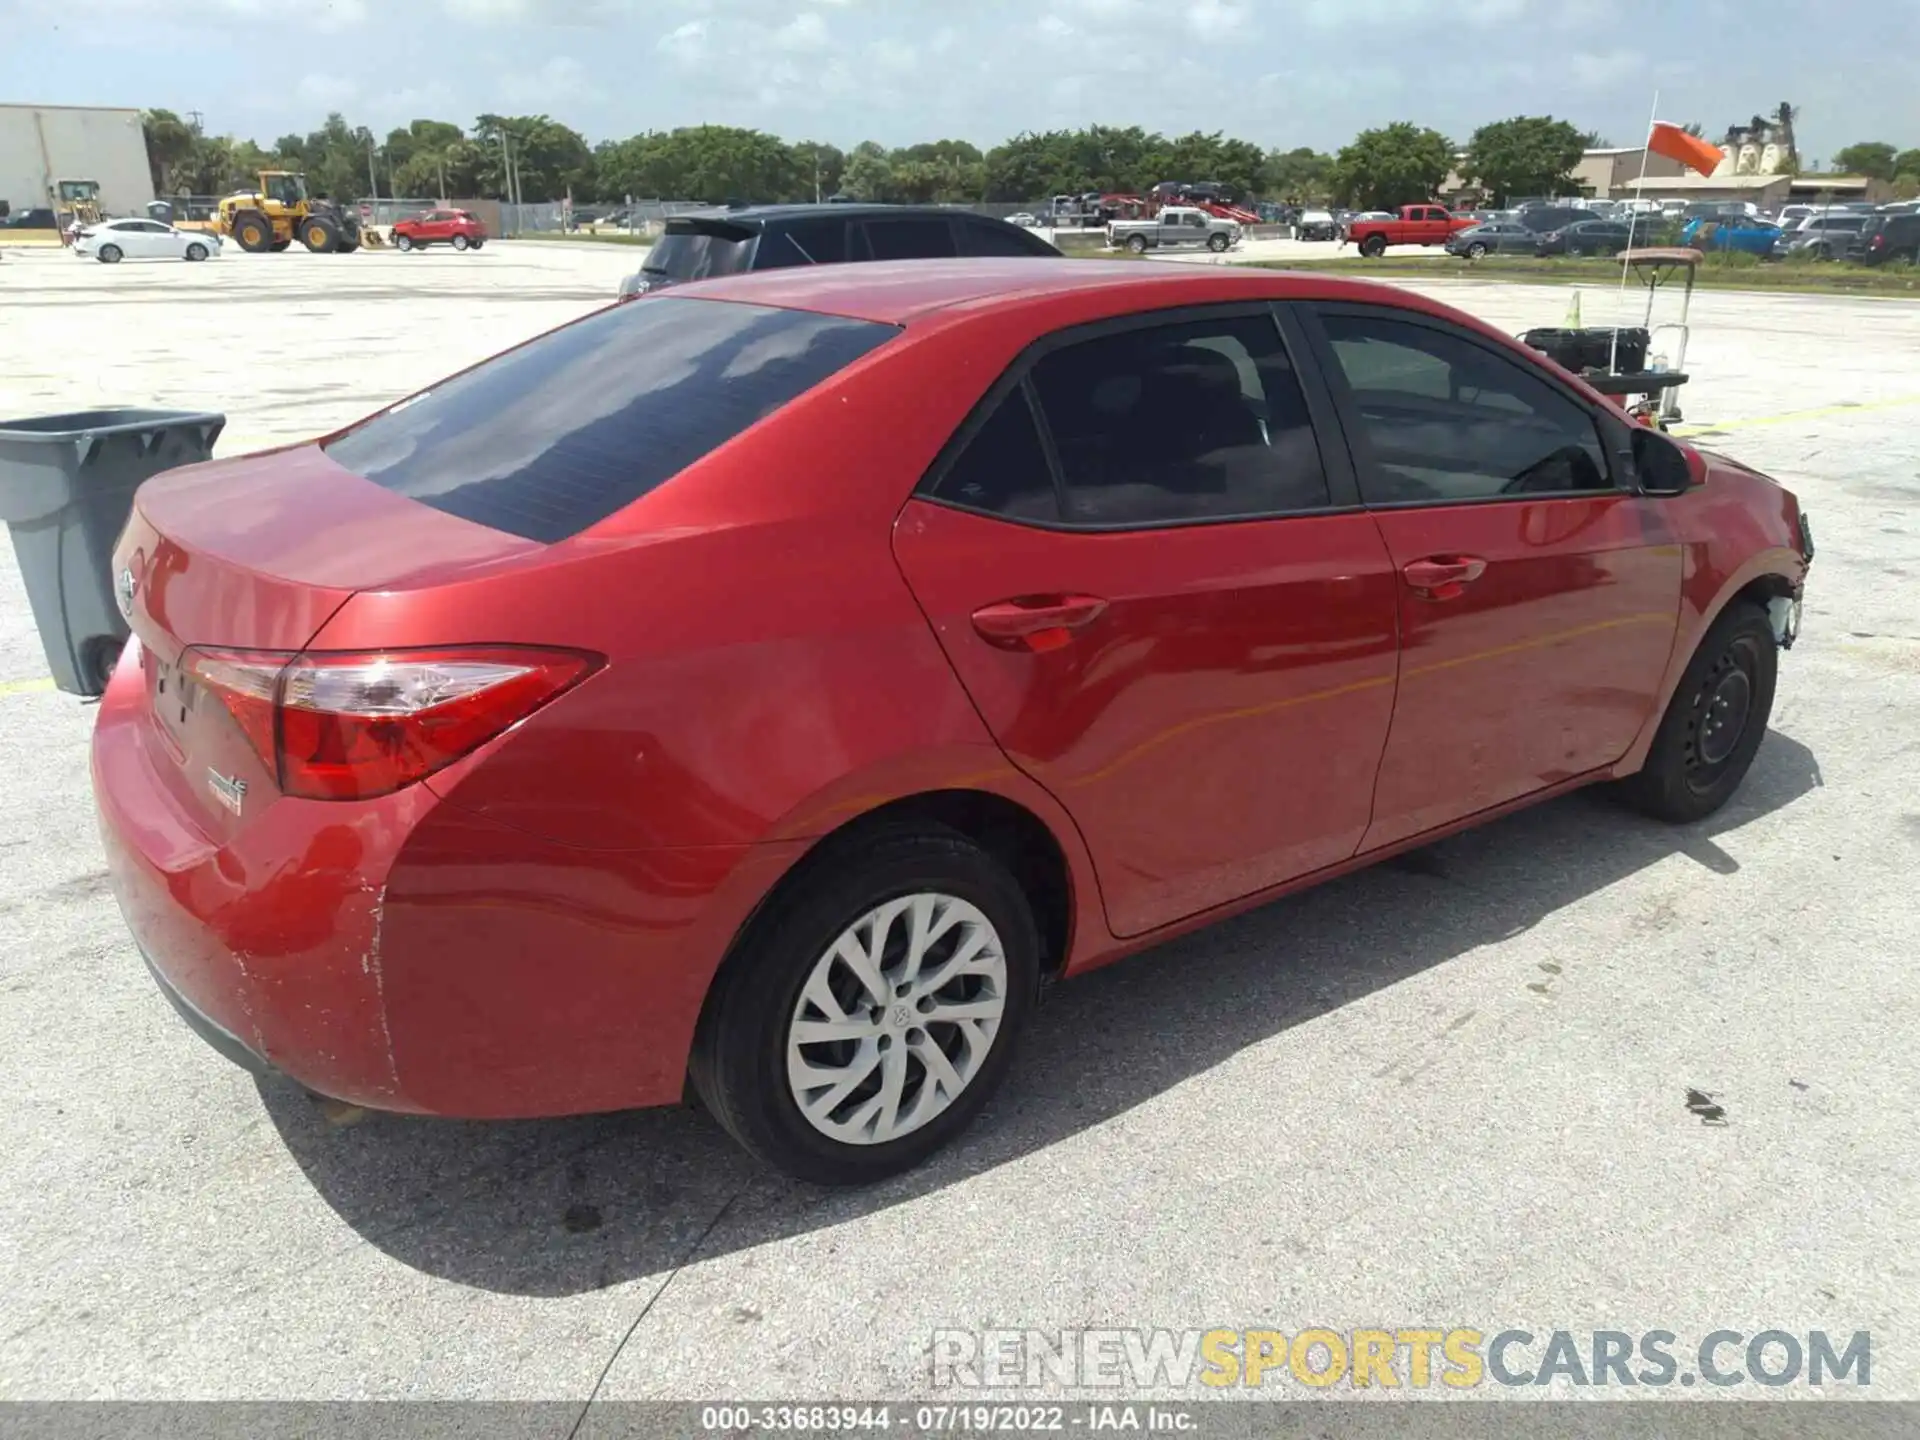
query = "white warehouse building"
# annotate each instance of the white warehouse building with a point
(40, 144)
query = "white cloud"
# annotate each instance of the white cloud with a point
(1342, 14)
(1215, 19)
(686, 44)
(805, 33)
(328, 92)
(1588, 70)
(551, 86)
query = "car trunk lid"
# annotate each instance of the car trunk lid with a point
(254, 555)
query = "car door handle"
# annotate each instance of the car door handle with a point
(1036, 622)
(1442, 577)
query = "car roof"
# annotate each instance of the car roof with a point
(900, 292)
(808, 211)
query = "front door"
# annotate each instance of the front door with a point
(1538, 601)
(1134, 560)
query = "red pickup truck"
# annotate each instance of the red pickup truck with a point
(1416, 225)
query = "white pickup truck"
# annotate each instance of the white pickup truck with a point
(1175, 225)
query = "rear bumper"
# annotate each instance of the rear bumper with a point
(224, 1042)
(407, 954)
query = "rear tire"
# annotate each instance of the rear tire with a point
(1137, 244)
(1374, 246)
(750, 1064)
(460, 242)
(1715, 722)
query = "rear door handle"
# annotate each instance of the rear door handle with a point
(1036, 622)
(1442, 577)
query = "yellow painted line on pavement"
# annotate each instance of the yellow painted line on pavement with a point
(1789, 417)
(25, 687)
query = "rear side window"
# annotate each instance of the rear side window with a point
(996, 237)
(555, 436)
(802, 242)
(1004, 470)
(1197, 420)
(927, 238)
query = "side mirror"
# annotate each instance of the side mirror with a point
(1659, 466)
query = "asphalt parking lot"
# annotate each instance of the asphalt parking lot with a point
(1451, 1091)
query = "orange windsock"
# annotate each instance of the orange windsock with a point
(1690, 150)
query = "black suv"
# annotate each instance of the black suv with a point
(1887, 238)
(772, 237)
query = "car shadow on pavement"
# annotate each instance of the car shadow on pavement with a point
(565, 1206)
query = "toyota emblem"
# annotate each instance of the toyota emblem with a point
(124, 589)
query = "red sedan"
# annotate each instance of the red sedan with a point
(439, 227)
(769, 685)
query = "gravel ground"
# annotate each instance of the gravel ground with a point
(1452, 1091)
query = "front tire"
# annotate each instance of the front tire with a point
(1476, 251)
(1216, 243)
(196, 251)
(403, 242)
(108, 254)
(873, 1009)
(1715, 722)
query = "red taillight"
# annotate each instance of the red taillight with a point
(1879, 242)
(353, 725)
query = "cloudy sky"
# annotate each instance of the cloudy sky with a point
(1278, 72)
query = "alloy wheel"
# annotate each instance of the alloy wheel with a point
(896, 1018)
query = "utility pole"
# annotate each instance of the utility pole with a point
(816, 174)
(373, 180)
(506, 173)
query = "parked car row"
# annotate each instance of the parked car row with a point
(1868, 237)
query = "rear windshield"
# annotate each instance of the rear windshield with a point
(685, 253)
(555, 436)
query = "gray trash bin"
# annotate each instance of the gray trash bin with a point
(66, 489)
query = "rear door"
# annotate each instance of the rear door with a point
(1537, 599)
(1166, 604)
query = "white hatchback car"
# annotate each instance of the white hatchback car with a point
(115, 240)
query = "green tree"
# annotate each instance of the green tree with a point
(550, 160)
(1527, 155)
(1301, 176)
(170, 145)
(1399, 164)
(820, 168)
(1906, 165)
(703, 162)
(869, 173)
(1874, 159)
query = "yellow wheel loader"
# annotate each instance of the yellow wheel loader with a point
(281, 212)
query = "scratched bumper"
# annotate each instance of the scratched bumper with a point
(223, 1042)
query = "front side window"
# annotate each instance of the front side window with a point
(1443, 419)
(1198, 420)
